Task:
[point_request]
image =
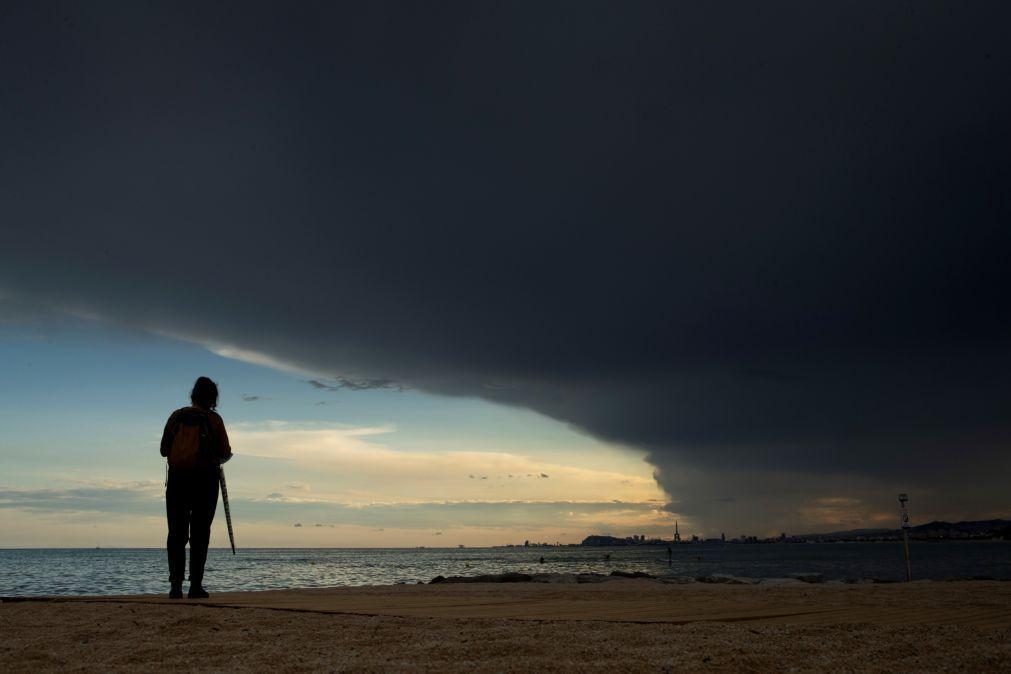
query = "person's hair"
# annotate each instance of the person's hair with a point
(204, 393)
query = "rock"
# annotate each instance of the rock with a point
(506, 578)
(726, 579)
(808, 577)
(631, 574)
(490, 578)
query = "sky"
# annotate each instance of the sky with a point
(740, 265)
(314, 467)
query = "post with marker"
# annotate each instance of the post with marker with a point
(903, 498)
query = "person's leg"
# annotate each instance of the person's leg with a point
(205, 502)
(178, 526)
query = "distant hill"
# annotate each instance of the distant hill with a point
(976, 529)
(852, 533)
(980, 526)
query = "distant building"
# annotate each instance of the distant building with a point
(604, 540)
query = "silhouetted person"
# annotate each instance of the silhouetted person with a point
(195, 444)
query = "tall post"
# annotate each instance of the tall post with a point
(903, 498)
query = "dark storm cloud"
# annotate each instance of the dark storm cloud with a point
(753, 239)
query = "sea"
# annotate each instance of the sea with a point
(50, 572)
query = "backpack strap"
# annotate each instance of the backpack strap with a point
(211, 437)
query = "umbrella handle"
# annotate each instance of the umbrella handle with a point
(228, 510)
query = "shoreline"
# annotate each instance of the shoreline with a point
(553, 579)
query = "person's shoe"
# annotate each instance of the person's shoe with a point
(176, 592)
(197, 593)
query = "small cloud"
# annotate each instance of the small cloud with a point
(298, 524)
(276, 496)
(321, 402)
(438, 533)
(379, 529)
(319, 525)
(471, 476)
(298, 486)
(544, 475)
(356, 384)
(249, 398)
(484, 477)
(364, 384)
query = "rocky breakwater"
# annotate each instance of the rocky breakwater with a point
(572, 578)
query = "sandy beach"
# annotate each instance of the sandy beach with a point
(629, 625)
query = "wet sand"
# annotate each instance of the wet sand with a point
(631, 625)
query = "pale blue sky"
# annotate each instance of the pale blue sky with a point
(83, 405)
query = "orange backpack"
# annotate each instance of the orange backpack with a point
(191, 439)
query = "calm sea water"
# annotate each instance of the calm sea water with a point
(137, 571)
